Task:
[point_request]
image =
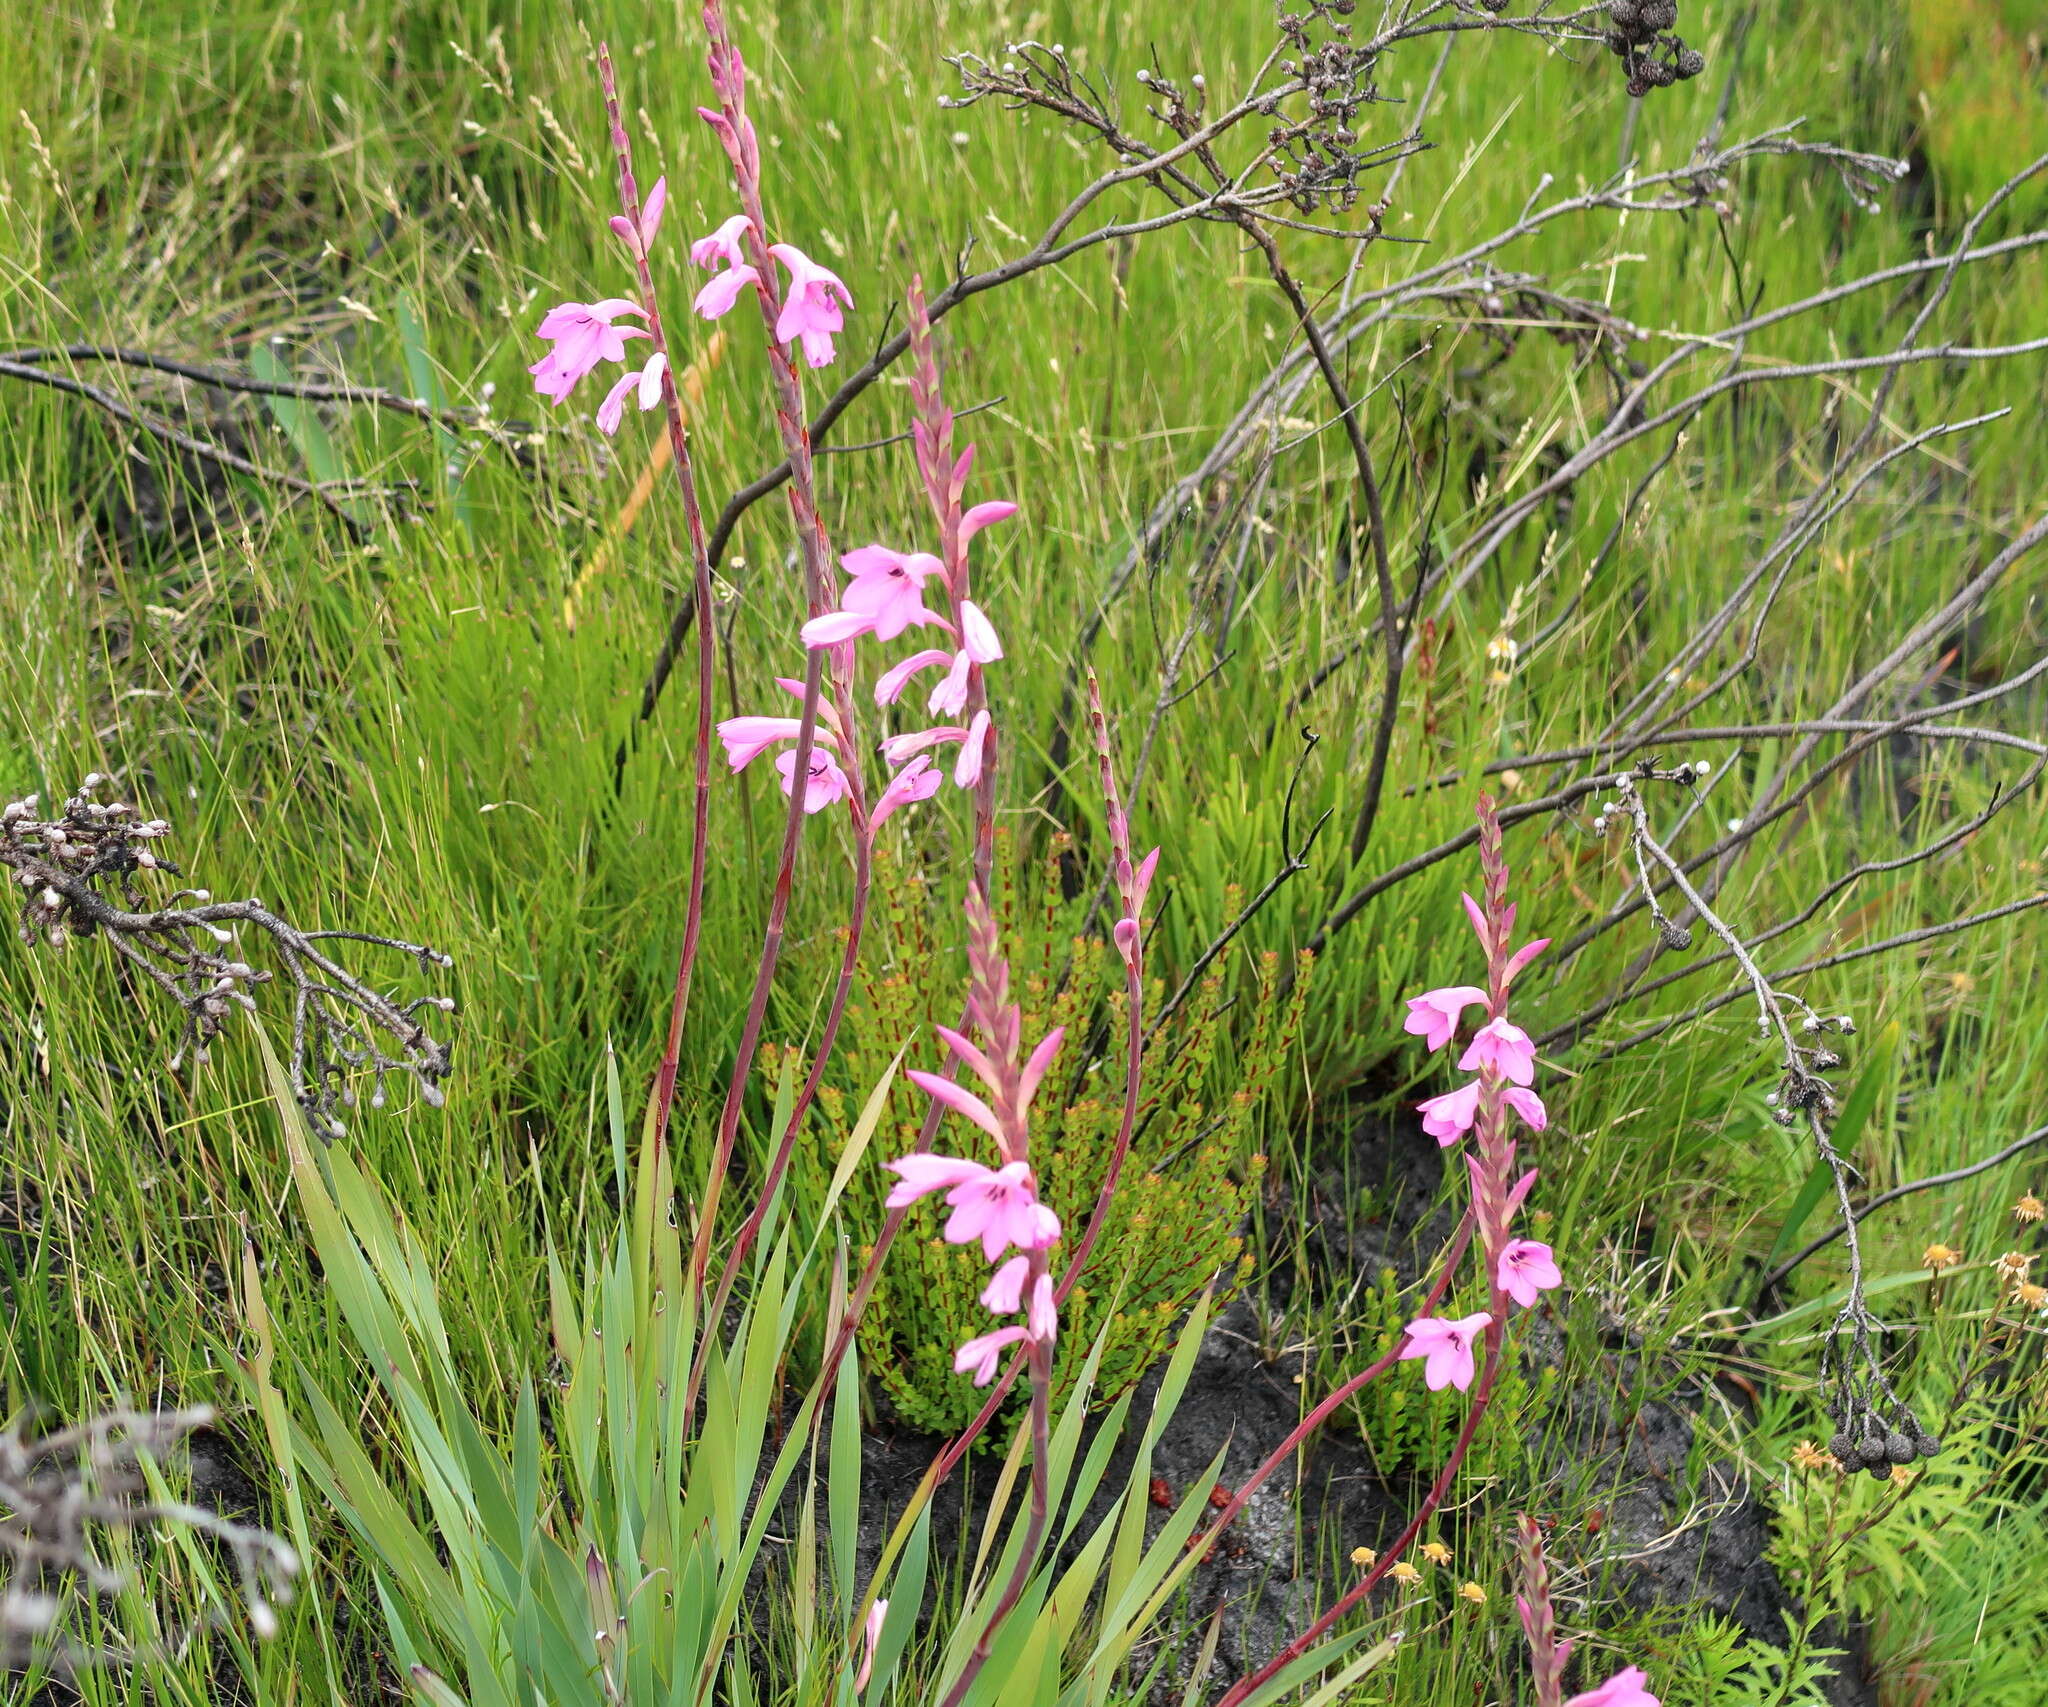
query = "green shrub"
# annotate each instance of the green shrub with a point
(1194, 1164)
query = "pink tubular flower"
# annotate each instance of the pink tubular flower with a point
(1521, 958)
(1043, 1321)
(871, 1638)
(999, 1206)
(1446, 1348)
(747, 738)
(1449, 1117)
(1434, 1017)
(640, 238)
(1527, 1269)
(727, 244)
(982, 1355)
(981, 515)
(583, 335)
(1623, 1689)
(973, 752)
(811, 310)
(888, 588)
(949, 698)
(1503, 1048)
(977, 634)
(1004, 1294)
(918, 780)
(900, 747)
(647, 381)
(1528, 1105)
(824, 783)
(896, 678)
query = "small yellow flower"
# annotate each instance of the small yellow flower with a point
(1363, 1557)
(2028, 1209)
(1405, 1574)
(1436, 1552)
(2031, 1296)
(1939, 1257)
(1473, 1592)
(2012, 1267)
(1901, 1477)
(1808, 1456)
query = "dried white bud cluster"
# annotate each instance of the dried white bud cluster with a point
(78, 871)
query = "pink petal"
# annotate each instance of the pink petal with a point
(897, 677)
(1034, 1069)
(967, 771)
(961, 1101)
(718, 296)
(977, 634)
(916, 781)
(1044, 1319)
(1142, 880)
(1448, 1117)
(900, 747)
(836, 627)
(1004, 1294)
(652, 210)
(624, 227)
(1528, 1105)
(997, 510)
(650, 380)
(949, 697)
(923, 1173)
(1521, 958)
(981, 1355)
(1480, 928)
(613, 409)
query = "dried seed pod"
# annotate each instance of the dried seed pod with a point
(1928, 1445)
(1690, 63)
(1900, 1448)
(1871, 1450)
(1841, 1445)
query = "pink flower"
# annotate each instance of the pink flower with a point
(811, 308)
(824, 783)
(1526, 1269)
(1434, 1017)
(1043, 1321)
(982, 1355)
(973, 752)
(747, 738)
(916, 781)
(888, 586)
(727, 244)
(1004, 1294)
(1528, 1105)
(871, 1637)
(640, 238)
(977, 635)
(900, 747)
(897, 677)
(998, 1206)
(921, 1173)
(1623, 1689)
(1521, 958)
(949, 698)
(583, 335)
(995, 510)
(1502, 1048)
(721, 291)
(1446, 1348)
(1449, 1117)
(647, 381)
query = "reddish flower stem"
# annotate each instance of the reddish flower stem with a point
(693, 515)
(820, 588)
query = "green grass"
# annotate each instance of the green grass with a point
(406, 736)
